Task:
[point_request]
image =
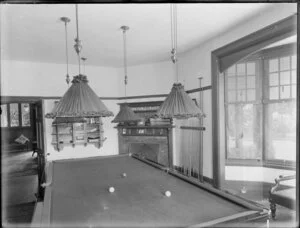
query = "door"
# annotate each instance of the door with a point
(39, 146)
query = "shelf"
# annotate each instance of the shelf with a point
(80, 142)
(77, 133)
(93, 134)
(143, 135)
(147, 126)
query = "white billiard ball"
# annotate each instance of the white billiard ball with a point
(124, 175)
(168, 193)
(111, 189)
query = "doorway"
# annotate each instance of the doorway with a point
(21, 136)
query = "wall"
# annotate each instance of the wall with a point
(147, 79)
(21, 78)
(197, 62)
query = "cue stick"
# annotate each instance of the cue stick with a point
(200, 173)
(190, 154)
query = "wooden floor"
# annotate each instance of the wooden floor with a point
(285, 217)
(18, 214)
(19, 185)
(259, 192)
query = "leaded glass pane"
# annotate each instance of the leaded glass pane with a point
(241, 95)
(231, 83)
(294, 62)
(285, 63)
(25, 107)
(285, 92)
(241, 82)
(250, 94)
(274, 93)
(273, 79)
(294, 77)
(14, 114)
(285, 78)
(251, 82)
(273, 65)
(4, 121)
(251, 68)
(294, 91)
(241, 69)
(231, 70)
(231, 96)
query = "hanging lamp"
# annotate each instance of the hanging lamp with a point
(125, 114)
(79, 100)
(178, 104)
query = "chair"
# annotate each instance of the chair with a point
(282, 195)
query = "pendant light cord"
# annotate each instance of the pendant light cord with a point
(67, 58)
(77, 40)
(83, 59)
(174, 37)
(77, 22)
(125, 58)
(66, 20)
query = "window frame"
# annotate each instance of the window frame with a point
(19, 105)
(263, 87)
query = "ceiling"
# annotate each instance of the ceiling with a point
(35, 32)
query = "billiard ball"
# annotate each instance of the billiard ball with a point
(111, 189)
(167, 193)
(124, 175)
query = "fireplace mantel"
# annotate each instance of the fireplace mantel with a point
(151, 138)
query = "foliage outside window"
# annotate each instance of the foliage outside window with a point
(281, 108)
(260, 107)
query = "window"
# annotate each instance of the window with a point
(241, 82)
(4, 120)
(280, 107)
(15, 115)
(25, 110)
(281, 77)
(260, 107)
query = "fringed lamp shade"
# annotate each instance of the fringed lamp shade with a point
(60, 120)
(178, 105)
(80, 101)
(126, 115)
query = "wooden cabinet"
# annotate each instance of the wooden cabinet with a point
(83, 131)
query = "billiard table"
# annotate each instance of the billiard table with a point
(77, 195)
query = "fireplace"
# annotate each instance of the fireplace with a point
(154, 148)
(151, 138)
